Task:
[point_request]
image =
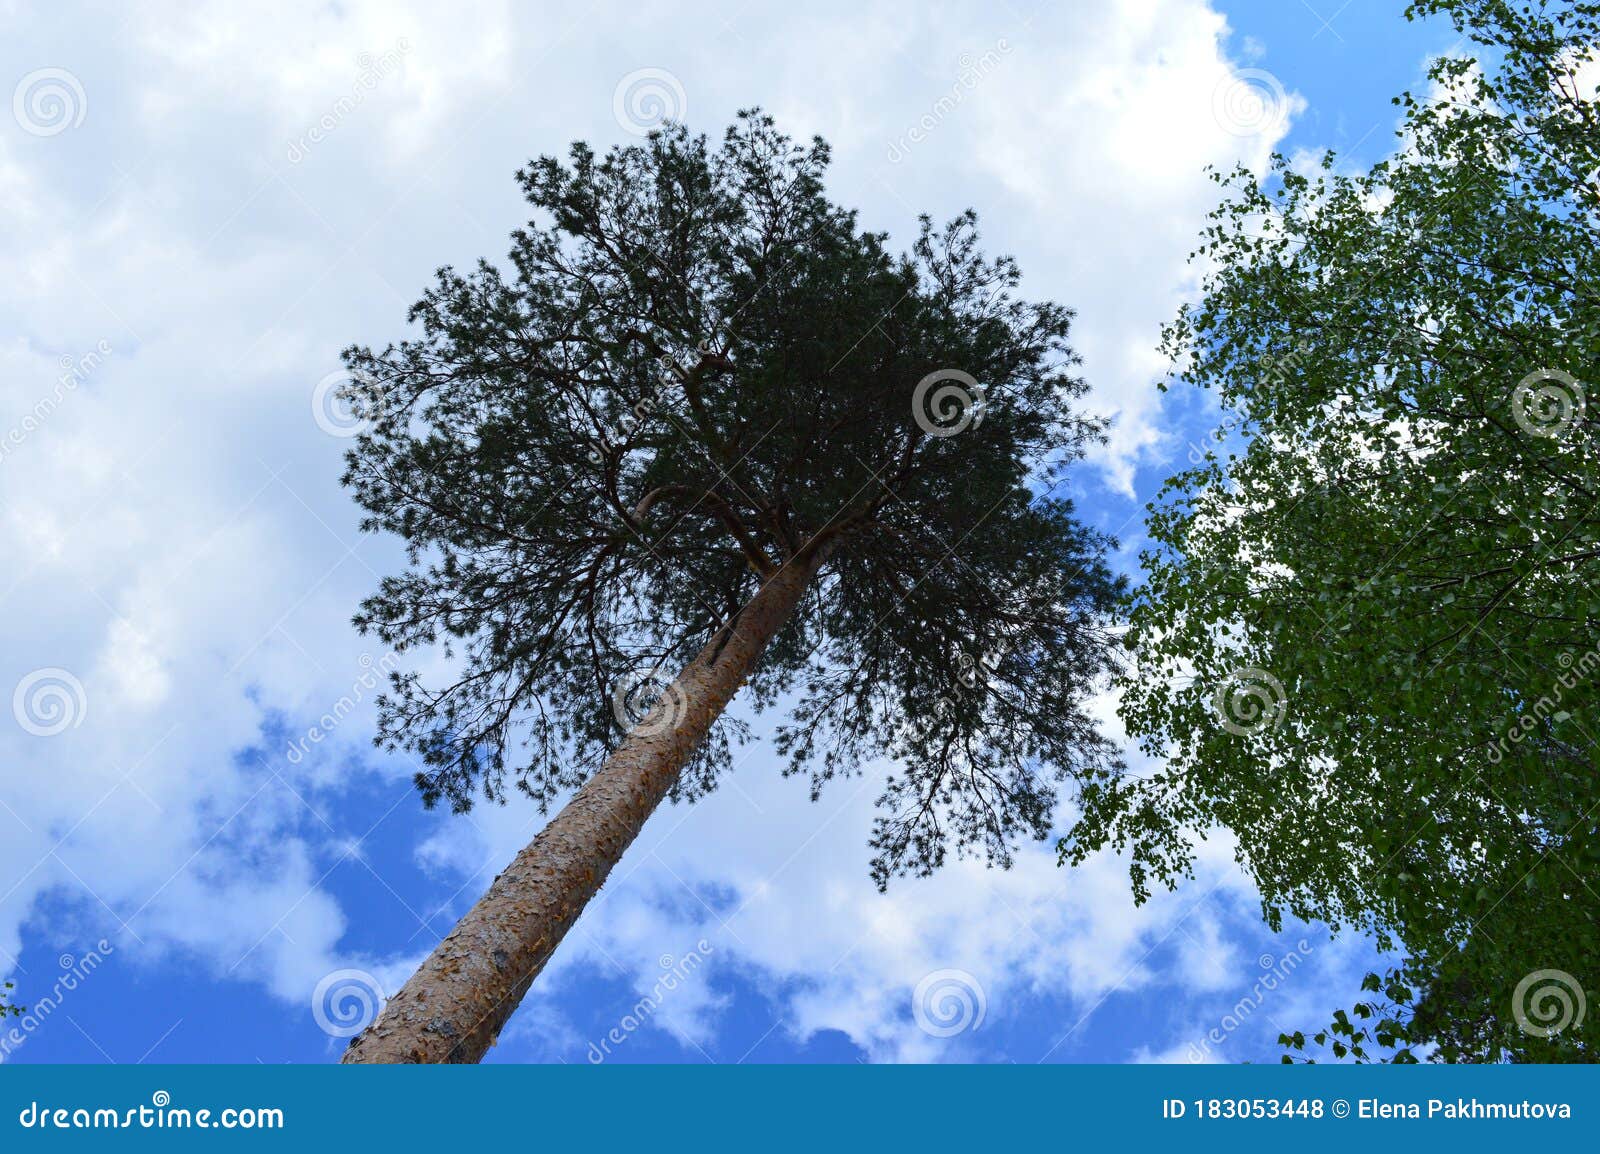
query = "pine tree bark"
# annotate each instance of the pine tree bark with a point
(453, 1007)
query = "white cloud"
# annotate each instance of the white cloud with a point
(181, 546)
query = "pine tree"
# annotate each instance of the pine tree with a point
(704, 433)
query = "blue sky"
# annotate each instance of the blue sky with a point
(228, 199)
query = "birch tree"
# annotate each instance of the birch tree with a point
(1369, 639)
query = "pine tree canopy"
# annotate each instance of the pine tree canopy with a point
(695, 370)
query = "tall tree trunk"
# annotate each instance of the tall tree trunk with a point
(452, 1008)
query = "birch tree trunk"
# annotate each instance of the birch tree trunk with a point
(453, 1007)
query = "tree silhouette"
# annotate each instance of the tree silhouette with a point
(705, 432)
